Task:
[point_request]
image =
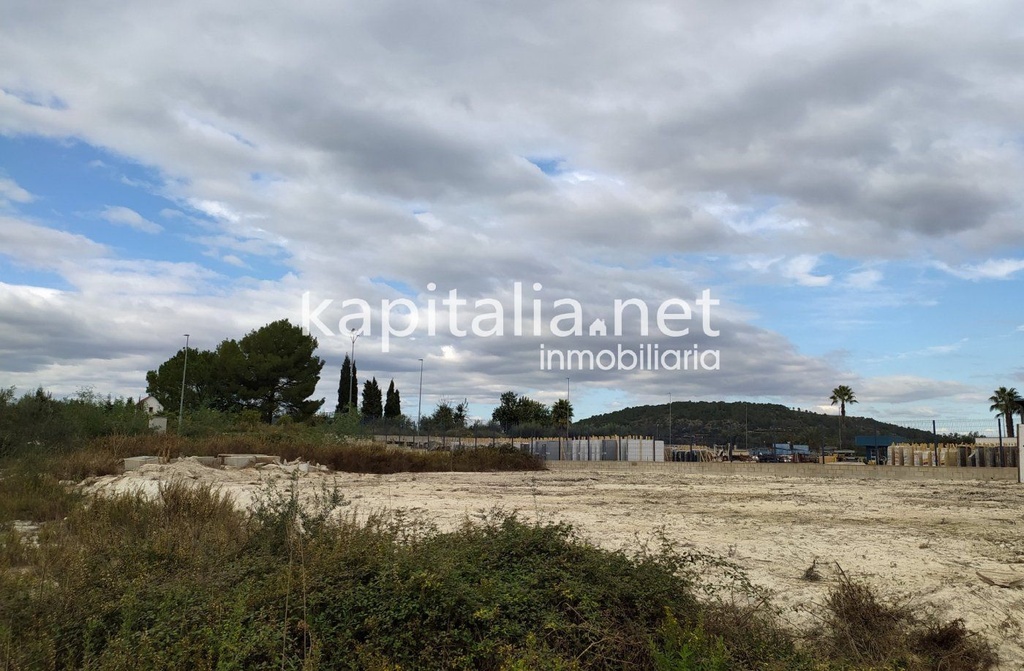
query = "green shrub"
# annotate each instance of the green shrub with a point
(185, 580)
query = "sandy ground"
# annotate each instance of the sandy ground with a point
(926, 540)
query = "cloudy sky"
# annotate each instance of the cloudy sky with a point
(843, 177)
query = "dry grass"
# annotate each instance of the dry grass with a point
(102, 456)
(860, 627)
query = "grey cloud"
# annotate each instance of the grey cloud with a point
(908, 388)
(884, 128)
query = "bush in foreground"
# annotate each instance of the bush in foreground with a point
(186, 581)
(865, 630)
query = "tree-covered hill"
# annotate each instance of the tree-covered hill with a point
(742, 424)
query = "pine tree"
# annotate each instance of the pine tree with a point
(393, 404)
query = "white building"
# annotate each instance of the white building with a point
(151, 406)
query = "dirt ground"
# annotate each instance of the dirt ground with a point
(928, 540)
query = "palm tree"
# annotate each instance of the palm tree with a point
(842, 395)
(1006, 402)
(561, 413)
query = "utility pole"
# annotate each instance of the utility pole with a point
(181, 404)
(352, 378)
(419, 403)
(670, 420)
(566, 412)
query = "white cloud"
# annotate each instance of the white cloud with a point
(801, 270)
(44, 247)
(718, 138)
(216, 210)
(948, 348)
(123, 216)
(11, 192)
(992, 269)
(868, 278)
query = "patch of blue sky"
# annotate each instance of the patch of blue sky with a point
(37, 99)
(669, 261)
(252, 267)
(264, 178)
(241, 139)
(64, 175)
(399, 286)
(14, 273)
(755, 214)
(820, 319)
(957, 330)
(916, 322)
(756, 207)
(550, 166)
(73, 184)
(587, 402)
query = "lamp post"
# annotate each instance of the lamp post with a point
(181, 403)
(419, 403)
(352, 377)
(567, 412)
(670, 420)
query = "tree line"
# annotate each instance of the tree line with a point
(516, 415)
(273, 371)
(375, 406)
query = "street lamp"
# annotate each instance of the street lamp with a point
(352, 377)
(419, 403)
(181, 404)
(567, 412)
(670, 420)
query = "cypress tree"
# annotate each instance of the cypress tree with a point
(393, 404)
(373, 407)
(344, 386)
(347, 386)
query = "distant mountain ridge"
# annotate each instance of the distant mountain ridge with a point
(740, 423)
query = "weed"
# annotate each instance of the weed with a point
(861, 628)
(811, 574)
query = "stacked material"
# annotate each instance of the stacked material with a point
(924, 454)
(602, 448)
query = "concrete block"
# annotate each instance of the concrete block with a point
(246, 460)
(134, 463)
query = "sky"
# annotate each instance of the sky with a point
(810, 193)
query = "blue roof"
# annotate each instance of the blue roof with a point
(782, 448)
